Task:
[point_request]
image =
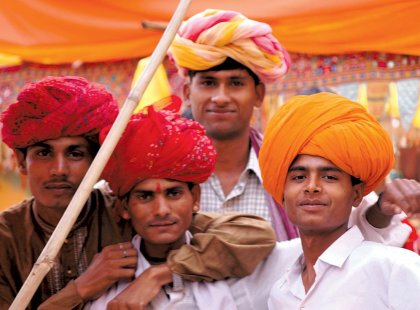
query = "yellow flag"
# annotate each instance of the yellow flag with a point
(158, 87)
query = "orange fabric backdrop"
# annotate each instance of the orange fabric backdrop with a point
(51, 31)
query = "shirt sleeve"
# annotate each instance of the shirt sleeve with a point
(67, 298)
(395, 234)
(223, 246)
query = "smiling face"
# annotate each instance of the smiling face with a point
(55, 168)
(318, 195)
(223, 101)
(161, 210)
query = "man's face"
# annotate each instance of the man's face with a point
(55, 168)
(161, 210)
(223, 101)
(318, 195)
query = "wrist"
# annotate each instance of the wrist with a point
(375, 215)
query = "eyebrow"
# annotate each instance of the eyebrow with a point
(323, 169)
(149, 191)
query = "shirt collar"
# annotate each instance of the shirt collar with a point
(341, 249)
(253, 164)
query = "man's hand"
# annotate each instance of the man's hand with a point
(399, 195)
(143, 289)
(115, 262)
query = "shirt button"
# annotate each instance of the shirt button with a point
(69, 272)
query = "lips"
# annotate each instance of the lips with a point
(58, 185)
(312, 203)
(162, 223)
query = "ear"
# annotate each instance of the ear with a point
(196, 193)
(124, 209)
(21, 161)
(260, 93)
(358, 194)
(186, 91)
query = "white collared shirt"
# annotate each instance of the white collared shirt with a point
(247, 196)
(353, 274)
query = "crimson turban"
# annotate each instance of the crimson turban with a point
(159, 145)
(57, 107)
(329, 126)
(208, 38)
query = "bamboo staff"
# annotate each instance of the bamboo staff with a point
(46, 259)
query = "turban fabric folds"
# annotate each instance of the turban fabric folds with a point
(208, 38)
(159, 145)
(56, 107)
(329, 126)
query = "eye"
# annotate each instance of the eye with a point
(295, 176)
(174, 193)
(143, 196)
(330, 177)
(236, 83)
(76, 154)
(43, 152)
(207, 83)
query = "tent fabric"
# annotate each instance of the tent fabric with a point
(52, 32)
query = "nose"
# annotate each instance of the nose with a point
(220, 95)
(59, 166)
(312, 186)
(162, 207)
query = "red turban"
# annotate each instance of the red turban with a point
(329, 126)
(57, 107)
(159, 145)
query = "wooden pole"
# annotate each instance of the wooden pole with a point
(46, 259)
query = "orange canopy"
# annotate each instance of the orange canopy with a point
(51, 31)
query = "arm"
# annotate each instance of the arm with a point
(381, 221)
(223, 246)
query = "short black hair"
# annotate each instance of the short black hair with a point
(228, 64)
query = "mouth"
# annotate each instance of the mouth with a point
(312, 204)
(59, 187)
(162, 224)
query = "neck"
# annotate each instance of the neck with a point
(315, 243)
(158, 253)
(232, 158)
(232, 155)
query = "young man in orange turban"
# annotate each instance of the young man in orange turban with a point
(320, 155)
(54, 130)
(227, 59)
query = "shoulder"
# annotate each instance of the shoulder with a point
(16, 217)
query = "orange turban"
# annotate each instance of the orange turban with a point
(329, 126)
(57, 107)
(159, 145)
(208, 38)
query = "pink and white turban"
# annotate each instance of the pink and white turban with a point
(208, 38)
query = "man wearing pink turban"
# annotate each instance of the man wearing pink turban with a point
(227, 59)
(53, 129)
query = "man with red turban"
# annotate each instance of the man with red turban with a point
(155, 170)
(53, 129)
(320, 155)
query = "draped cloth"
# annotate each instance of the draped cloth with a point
(159, 145)
(208, 38)
(329, 126)
(57, 107)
